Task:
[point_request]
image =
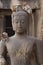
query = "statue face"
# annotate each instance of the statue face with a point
(20, 24)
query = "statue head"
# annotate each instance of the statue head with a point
(19, 21)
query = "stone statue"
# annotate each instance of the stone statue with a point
(20, 49)
(4, 38)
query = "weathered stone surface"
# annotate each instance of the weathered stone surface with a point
(10, 3)
(6, 4)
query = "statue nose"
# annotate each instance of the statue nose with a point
(19, 24)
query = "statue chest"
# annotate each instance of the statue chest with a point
(19, 52)
(19, 48)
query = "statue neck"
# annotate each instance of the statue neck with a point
(22, 35)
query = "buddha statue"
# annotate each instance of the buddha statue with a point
(20, 49)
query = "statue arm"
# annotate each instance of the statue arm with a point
(7, 57)
(33, 56)
(4, 57)
(2, 53)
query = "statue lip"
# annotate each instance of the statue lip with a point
(20, 27)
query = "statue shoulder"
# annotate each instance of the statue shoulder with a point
(10, 40)
(34, 39)
(31, 39)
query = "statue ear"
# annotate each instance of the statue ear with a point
(12, 16)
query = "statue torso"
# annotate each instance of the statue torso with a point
(19, 50)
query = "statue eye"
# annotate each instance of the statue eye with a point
(22, 21)
(16, 21)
